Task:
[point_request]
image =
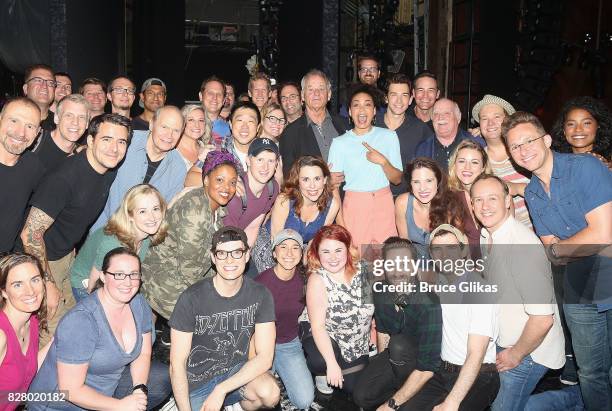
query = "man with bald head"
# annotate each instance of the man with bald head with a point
(151, 158)
(19, 172)
(446, 117)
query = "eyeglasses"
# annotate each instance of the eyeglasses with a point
(276, 120)
(291, 97)
(222, 254)
(39, 81)
(370, 70)
(121, 90)
(528, 143)
(121, 276)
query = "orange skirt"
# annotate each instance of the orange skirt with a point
(369, 217)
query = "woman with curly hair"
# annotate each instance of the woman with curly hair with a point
(306, 203)
(584, 126)
(137, 224)
(23, 313)
(428, 203)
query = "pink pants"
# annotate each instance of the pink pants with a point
(369, 217)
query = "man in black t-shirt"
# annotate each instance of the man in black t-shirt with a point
(71, 118)
(213, 323)
(67, 202)
(39, 85)
(19, 172)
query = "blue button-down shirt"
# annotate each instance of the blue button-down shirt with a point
(578, 185)
(169, 177)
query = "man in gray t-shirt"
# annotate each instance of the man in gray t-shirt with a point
(213, 323)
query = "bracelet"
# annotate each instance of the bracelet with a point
(142, 387)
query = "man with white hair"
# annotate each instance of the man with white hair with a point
(446, 117)
(312, 133)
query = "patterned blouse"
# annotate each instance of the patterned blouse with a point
(348, 318)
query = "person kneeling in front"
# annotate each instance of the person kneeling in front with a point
(212, 325)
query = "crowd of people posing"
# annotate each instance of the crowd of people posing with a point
(238, 233)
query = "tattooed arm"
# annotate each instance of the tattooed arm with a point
(32, 237)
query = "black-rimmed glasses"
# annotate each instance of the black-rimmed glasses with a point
(222, 254)
(121, 276)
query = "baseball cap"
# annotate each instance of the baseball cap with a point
(153, 81)
(491, 99)
(288, 234)
(260, 144)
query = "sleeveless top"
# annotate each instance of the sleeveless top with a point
(17, 370)
(348, 318)
(415, 233)
(306, 230)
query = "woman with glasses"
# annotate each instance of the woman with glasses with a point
(273, 123)
(195, 140)
(22, 314)
(584, 126)
(96, 340)
(137, 224)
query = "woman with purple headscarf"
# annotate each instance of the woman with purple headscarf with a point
(194, 215)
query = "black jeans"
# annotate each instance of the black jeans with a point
(386, 372)
(481, 395)
(317, 366)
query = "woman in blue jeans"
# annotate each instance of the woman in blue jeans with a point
(287, 288)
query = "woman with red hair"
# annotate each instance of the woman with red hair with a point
(340, 319)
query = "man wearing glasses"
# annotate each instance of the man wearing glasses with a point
(291, 101)
(39, 85)
(368, 72)
(570, 201)
(121, 94)
(212, 325)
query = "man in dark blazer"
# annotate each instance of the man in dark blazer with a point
(313, 132)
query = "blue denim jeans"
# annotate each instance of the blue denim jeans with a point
(199, 395)
(290, 364)
(566, 399)
(592, 342)
(517, 384)
(158, 384)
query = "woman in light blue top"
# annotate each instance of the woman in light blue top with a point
(137, 224)
(369, 157)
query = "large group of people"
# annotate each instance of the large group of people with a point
(240, 235)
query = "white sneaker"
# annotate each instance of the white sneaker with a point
(321, 383)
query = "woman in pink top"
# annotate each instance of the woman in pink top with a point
(22, 313)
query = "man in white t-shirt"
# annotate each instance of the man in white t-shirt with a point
(467, 378)
(530, 338)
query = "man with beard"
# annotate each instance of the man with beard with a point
(152, 98)
(121, 94)
(39, 86)
(65, 204)
(20, 170)
(72, 118)
(291, 101)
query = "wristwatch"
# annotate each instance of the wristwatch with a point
(391, 404)
(552, 250)
(142, 387)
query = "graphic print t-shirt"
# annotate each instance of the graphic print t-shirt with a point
(222, 326)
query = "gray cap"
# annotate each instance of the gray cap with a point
(153, 81)
(491, 99)
(288, 234)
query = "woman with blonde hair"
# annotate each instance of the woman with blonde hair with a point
(468, 161)
(138, 223)
(273, 122)
(195, 140)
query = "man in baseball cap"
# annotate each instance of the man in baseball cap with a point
(152, 97)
